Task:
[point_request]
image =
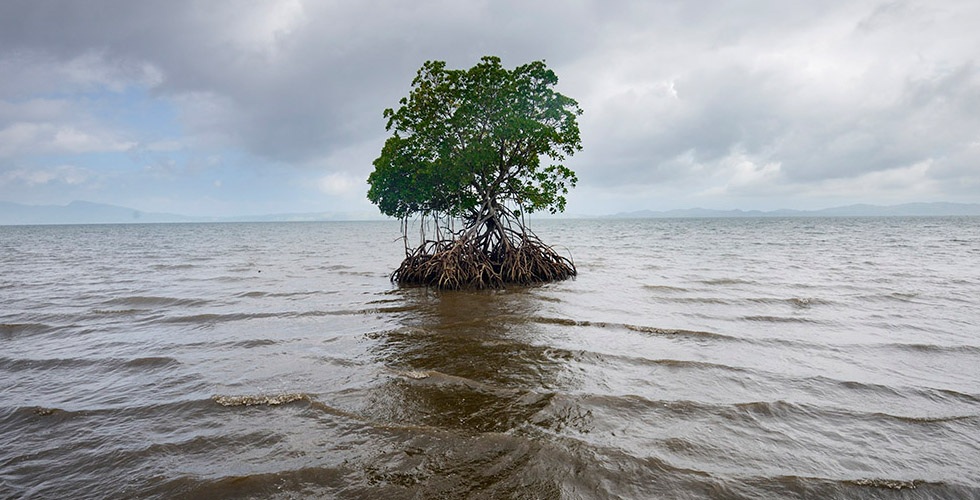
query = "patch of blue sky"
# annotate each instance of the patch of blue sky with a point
(150, 117)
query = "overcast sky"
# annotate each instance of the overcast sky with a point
(228, 108)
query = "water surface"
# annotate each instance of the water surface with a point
(714, 358)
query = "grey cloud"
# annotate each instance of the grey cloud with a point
(316, 86)
(673, 91)
(932, 120)
(657, 137)
(814, 126)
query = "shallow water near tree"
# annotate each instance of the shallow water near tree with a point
(695, 358)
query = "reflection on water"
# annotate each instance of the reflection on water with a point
(460, 362)
(783, 358)
(483, 335)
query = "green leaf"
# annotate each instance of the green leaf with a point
(467, 139)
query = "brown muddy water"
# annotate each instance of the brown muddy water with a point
(718, 358)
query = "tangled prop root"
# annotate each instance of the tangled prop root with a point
(468, 263)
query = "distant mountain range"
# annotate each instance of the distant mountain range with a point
(83, 212)
(859, 210)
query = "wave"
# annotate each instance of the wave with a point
(966, 349)
(581, 355)
(697, 300)
(208, 318)
(215, 318)
(46, 412)
(780, 410)
(382, 457)
(801, 302)
(281, 399)
(260, 294)
(367, 274)
(546, 404)
(511, 468)
(120, 312)
(183, 409)
(796, 302)
(248, 344)
(665, 288)
(232, 344)
(903, 297)
(927, 392)
(151, 362)
(824, 487)
(26, 364)
(891, 484)
(728, 281)
(326, 481)
(268, 400)
(437, 377)
(778, 319)
(927, 420)
(625, 326)
(386, 301)
(156, 301)
(169, 267)
(684, 363)
(25, 328)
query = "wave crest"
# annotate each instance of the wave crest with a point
(268, 400)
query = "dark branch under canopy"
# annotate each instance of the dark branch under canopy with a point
(481, 147)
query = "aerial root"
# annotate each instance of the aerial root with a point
(466, 263)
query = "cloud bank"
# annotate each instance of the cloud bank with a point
(216, 108)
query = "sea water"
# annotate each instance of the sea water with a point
(690, 358)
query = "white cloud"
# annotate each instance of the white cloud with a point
(28, 72)
(894, 184)
(744, 176)
(50, 138)
(93, 69)
(65, 174)
(36, 110)
(264, 26)
(348, 169)
(341, 184)
(163, 146)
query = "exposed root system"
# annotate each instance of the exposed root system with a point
(456, 264)
(487, 255)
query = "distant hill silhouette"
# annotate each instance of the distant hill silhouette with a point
(859, 210)
(83, 212)
(80, 212)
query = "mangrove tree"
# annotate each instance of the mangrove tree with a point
(472, 152)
